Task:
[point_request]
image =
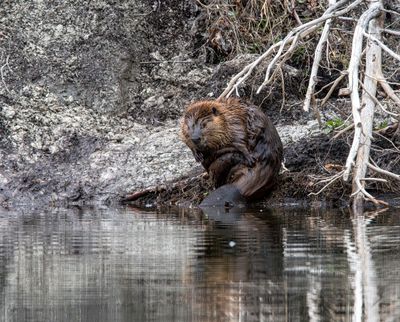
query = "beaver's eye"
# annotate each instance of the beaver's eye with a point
(214, 110)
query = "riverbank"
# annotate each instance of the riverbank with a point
(91, 98)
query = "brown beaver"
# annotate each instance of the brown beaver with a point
(236, 143)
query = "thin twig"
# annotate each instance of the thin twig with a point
(283, 90)
(347, 19)
(382, 45)
(316, 62)
(165, 61)
(329, 13)
(303, 31)
(347, 128)
(2, 73)
(294, 12)
(385, 138)
(377, 101)
(388, 89)
(335, 84)
(290, 37)
(330, 182)
(391, 11)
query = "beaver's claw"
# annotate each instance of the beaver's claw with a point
(250, 160)
(198, 156)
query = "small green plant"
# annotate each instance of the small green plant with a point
(300, 55)
(382, 125)
(255, 48)
(333, 124)
(263, 25)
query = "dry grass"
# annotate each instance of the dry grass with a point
(243, 26)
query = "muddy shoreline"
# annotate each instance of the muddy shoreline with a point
(91, 96)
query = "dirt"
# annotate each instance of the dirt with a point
(305, 161)
(91, 95)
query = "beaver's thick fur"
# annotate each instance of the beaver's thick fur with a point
(235, 142)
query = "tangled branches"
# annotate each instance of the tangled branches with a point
(366, 42)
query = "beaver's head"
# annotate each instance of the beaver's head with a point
(204, 126)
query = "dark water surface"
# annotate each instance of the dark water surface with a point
(258, 265)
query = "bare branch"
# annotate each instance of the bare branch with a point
(374, 179)
(382, 45)
(2, 73)
(347, 19)
(246, 72)
(317, 60)
(391, 11)
(302, 31)
(347, 128)
(335, 84)
(377, 101)
(366, 194)
(372, 12)
(294, 12)
(392, 32)
(388, 89)
(283, 88)
(365, 110)
(330, 182)
(385, 172)
(396, 149)
(329, 13)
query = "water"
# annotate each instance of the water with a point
(258, 265)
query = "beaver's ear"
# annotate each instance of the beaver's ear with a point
(214, 110)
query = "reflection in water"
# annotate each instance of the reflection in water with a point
(253, 265)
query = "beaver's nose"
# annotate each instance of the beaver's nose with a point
(196, 139)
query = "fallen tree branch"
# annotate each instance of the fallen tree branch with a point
(388, 89)
(334, 85)
(366, 111)
(347, 128)
(302, 31)
(329, 13)
(374, 179)
(377, 101)
(382, 45)
(363, 194)
(246, 72)
(141, 193)
(385, 172)
(373, 11)
(392, 32)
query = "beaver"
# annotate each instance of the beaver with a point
(235, 142)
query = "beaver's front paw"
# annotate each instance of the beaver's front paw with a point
(198, 156)
(250, 160)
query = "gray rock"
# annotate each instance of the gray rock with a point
(91, 97)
